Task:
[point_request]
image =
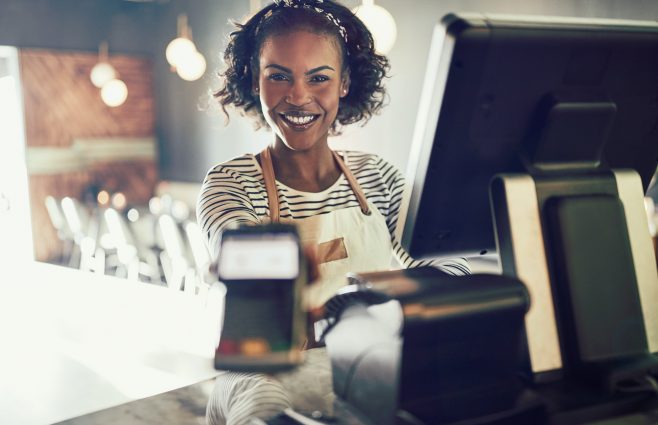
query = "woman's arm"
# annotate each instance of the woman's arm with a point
(395, 183)
(223, 202)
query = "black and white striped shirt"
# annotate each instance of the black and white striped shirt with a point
(234, 192)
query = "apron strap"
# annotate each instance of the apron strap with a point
(360, 196)
(270, 184)
(273, 195)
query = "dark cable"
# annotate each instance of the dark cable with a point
(652, 382)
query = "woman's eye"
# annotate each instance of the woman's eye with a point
(319, 78)
(278, 77)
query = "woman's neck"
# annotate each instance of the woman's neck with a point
(311, 170)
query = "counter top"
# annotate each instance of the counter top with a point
(75, 343)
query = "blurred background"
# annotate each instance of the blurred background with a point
(103, 175)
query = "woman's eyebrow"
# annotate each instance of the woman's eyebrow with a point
(319, 68)
(280, 68)
(309, 72)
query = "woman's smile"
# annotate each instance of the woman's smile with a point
(299, 121)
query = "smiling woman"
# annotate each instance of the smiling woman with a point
(350, 38)
(304, 68)
(300, 99)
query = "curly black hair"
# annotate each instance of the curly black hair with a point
(365, 67)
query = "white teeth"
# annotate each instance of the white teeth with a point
(299, 120)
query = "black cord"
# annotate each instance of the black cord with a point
(652, 383)
(336, 305)
(408, 418)
(644, 384)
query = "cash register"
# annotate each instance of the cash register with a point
(536, 139)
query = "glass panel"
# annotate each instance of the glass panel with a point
(16, 240)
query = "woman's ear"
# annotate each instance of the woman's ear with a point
(345, 85)
(255, 87)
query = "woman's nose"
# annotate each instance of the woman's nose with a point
(298, 95)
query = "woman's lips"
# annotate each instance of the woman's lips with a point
(299, 121)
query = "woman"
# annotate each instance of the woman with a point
(304, 68)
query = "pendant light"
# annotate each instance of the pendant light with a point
(182, 54)
(102, 72)
(114, 92)
(381, 24)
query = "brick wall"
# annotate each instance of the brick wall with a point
(62, 105)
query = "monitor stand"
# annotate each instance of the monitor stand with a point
(580, 243)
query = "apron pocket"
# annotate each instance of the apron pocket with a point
(332, 250)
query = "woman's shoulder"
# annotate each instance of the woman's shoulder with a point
(356, 155)
(244, 166)
(359, 159)
(366, 161)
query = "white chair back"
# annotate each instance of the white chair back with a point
(198, 247)
(76, 217)
(57, 218)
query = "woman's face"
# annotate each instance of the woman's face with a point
(300, 84)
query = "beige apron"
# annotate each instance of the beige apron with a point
(347, 240)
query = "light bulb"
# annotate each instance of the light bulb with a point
(380, 23)
(103, 197)
(101, 73)
(114, 93)
(133, 215)
(154, 205)
(180, 211)
(178, 49)
(119, 201)
(191, 67)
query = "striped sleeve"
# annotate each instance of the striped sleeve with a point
(394, 181)
(237, 398)
(223, 202)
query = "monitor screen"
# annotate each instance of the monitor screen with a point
(523, 94)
